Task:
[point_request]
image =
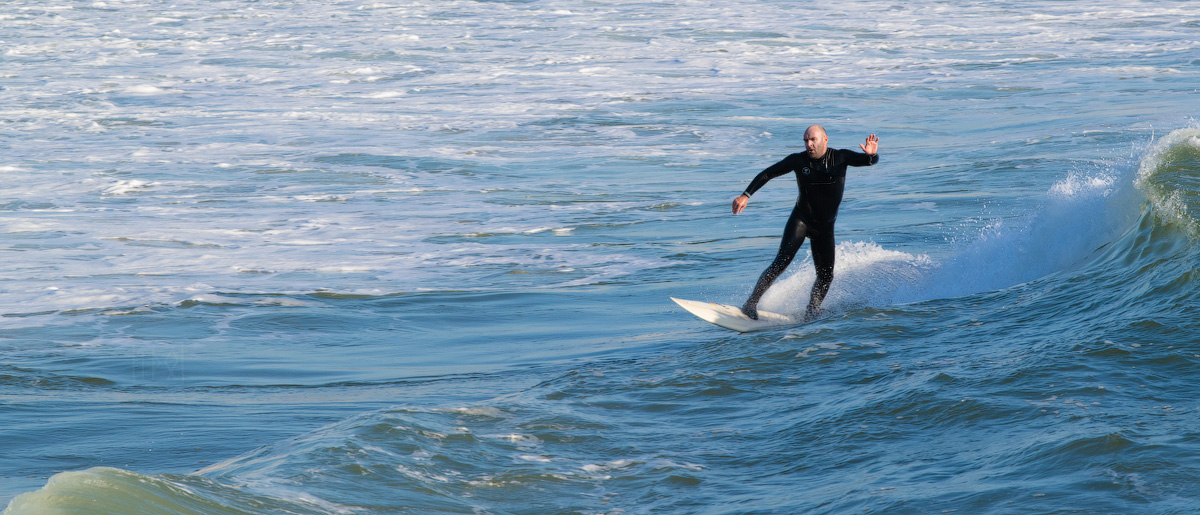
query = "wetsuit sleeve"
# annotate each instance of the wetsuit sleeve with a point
(771, 172)
(853, 158)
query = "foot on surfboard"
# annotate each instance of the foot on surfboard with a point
(732, 317)
(751, 312)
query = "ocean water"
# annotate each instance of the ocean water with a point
(415, 256)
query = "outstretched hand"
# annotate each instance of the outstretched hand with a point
(871, 146)
(740, 203)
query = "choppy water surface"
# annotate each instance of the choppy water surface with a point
(413, 257)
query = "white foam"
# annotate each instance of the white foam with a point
(480, 411)
(1080, 213)
(522, 441)
(1076, 184)
(386, 94)
(210, 298)
(125, 187)
(864, 273)
(147, 89)
(188, 152)
(1153, 160)
(604, 467)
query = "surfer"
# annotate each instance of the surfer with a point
(821, 175)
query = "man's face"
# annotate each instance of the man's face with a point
(816, 142)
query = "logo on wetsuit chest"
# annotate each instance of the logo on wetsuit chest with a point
(807, 171)
(817, 174)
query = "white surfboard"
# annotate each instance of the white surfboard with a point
(731, 317)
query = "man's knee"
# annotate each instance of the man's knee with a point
(780, 264)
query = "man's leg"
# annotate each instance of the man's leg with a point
(793, 237)
(822, 246)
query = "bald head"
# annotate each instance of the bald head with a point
(816, 141)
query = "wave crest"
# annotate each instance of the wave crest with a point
(1169, 176)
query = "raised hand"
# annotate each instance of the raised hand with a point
(871, 146)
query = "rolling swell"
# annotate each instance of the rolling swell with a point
(865, 415)
(346, 230)
(1170, 178)
(1060, 379)
(1083, 219)
(105, 490)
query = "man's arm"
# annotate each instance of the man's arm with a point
(760, 180)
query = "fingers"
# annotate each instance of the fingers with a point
(738, 205)
(871, 145)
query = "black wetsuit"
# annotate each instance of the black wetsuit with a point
(822, 182)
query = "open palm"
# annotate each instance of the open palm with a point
(871, 146)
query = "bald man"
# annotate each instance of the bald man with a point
(821, 174)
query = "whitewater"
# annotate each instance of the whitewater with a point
(276, 256)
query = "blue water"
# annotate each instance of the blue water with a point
(272, 257)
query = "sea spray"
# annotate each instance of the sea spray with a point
(1080, 214)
